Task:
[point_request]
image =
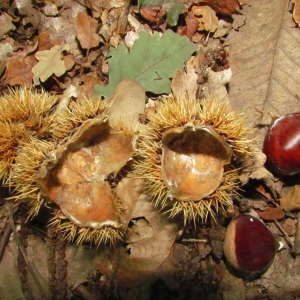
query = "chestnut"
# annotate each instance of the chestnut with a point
(249, 246)
(282, 145)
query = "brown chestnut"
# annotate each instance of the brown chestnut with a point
(282, 145)
(249, 246)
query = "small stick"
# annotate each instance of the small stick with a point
(4, 239)
(297, 236)
(289, 241)
(194, 240)
(6, 234)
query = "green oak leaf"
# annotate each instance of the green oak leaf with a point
(152, 62)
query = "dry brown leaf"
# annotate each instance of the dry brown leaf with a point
(86, 31)
(86, 90)
(44, 42)
(253, 167)
(263, 57)
(62, 27)
(296, 12)
(206, 17)
(291, 200)
(191, 25)
(128, 102)
(226, 7)
(216, 84)
(32, 15)
(223, 29)
(184, 83)
(81, 260)
(50, 63)
(153, 14)
(271, 213)
(148, 256)
(18, 70)
(6, 25)
(115, 20)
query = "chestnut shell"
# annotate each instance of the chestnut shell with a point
(249, 246)
(282, 145)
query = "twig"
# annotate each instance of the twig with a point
(194, 240)
(296, 249)
(21, 249)
(6, 234)
(4, 239)
(288, 240)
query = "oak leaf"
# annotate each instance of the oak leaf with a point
(50, 62)
(151, 62)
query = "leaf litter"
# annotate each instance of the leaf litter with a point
(260, 76)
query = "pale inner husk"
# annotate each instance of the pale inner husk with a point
(193, 160)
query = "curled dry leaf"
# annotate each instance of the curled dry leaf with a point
(127, 103)
(291, 200)
(253, 167)
(206, 17)
(153, 14)
(296, 12)
(185, 82)
(86, 31)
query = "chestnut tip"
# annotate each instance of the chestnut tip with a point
(249, 246)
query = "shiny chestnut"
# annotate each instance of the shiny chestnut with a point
(249, 246)
(282, 145)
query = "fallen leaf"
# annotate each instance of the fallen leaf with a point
(206, 17)
(253, 167)
(216, 84)
(86, 90)
(192, 25)
(50, 63)
(184, 83)
(223, 29)
(291, 200)
(296, 12)
(127, 103)
(114, 21)
(6, 25)
(262, 56)
(271, 213)
(224, 7)
(152, 62)
(19, 70)
(86, 31)
(289, 226)
(173, 13)
(148, 256)
(153, 14)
